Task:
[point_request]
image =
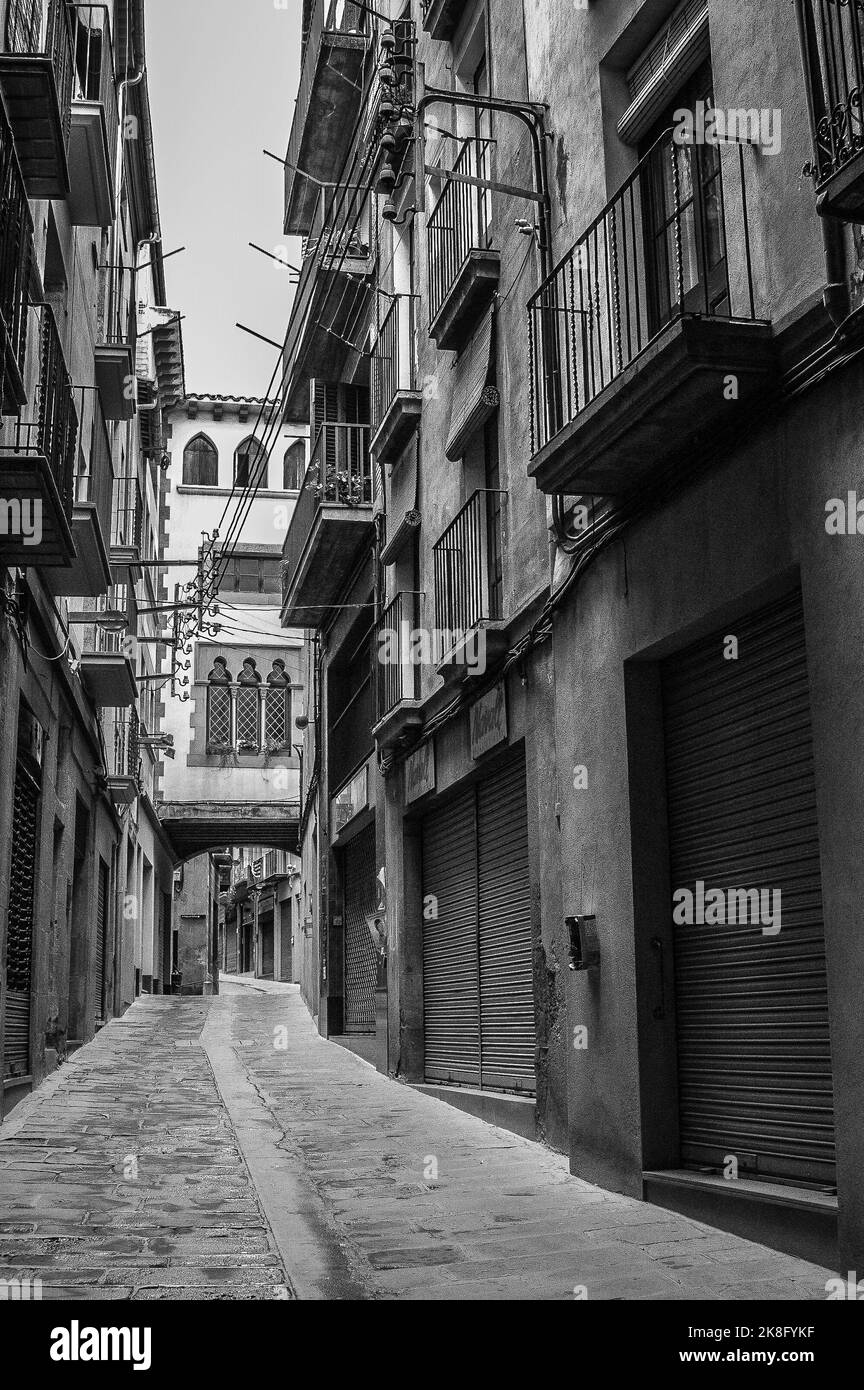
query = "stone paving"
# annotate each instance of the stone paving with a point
(221, 1149)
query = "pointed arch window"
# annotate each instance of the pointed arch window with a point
(201, 462)
(277, 708)
(219, 721)
(294, 466)
(250, 464)
(248, 708)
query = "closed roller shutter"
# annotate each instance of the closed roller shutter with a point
(506, 971)
(267, 947)
(358, 866)
(752, 1013)
(19, 938)
(231, 945)
(451, 989)
(101, 926)
(478, 991)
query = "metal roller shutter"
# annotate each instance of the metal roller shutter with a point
(506, 969)
(101, 925)
(752, 1014)
(451, 969)
(358, 866)
(231, 945)
(478, 988)
(19, 938)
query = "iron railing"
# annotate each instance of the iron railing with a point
(339, 474)
(48, 424)
(127, 745)
(34, 30)
(392, 360)
(458, 224)
(832, 35)
(94, 67)
(119, 320)
(674, 242)
(16, 256)
(127, 516)
(395, 671)
(94, 467)
(467, 584)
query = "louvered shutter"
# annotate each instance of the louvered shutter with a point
(19, 936)
(451, 972)
(360, 962)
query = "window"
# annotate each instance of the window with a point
(247, 714)
(277, 707)
(294, 466)
(251, 574)
(250, 464)
(201, 463)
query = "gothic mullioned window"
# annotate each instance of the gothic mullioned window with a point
(248, 708)
(219, 706)
(247, 713)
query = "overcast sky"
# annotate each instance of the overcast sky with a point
(223, 79)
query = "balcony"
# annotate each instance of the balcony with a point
(331, 309)
(328, 106)
(397, 707)
(469, 635)
(127, 525)
(441, 17)
(16, 262)
(95, 119)
(124, 774)
(37, 458)
(36, 77)
(832, 43)
(106, 671)
(644, 341)
(463, 271)
(331, 522)
(396, 404)
(90, 573)
(115, 348)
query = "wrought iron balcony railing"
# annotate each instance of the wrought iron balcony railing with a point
(48, 424)
(127, 517)
(673, 243)
(832, 37)
(94, 468)
(119, 320)
(467, 561)
(37, 30)
(392, 647)
(339, 475)
(94, 79)
(392, 360)
(459, 222)
(16, 258)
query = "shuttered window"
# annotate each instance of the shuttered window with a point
(19, 936)
(752, 1012)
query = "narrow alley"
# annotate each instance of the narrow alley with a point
(220, 1148)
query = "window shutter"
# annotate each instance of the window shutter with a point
(669, 60)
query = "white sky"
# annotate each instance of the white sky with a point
(223, 79)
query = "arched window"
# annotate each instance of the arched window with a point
(201, 462)
(219, 706)
(250, 464)
(248, 708)
(277, 707)
(294, 467)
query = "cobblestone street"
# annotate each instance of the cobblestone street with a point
(219, 1148)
